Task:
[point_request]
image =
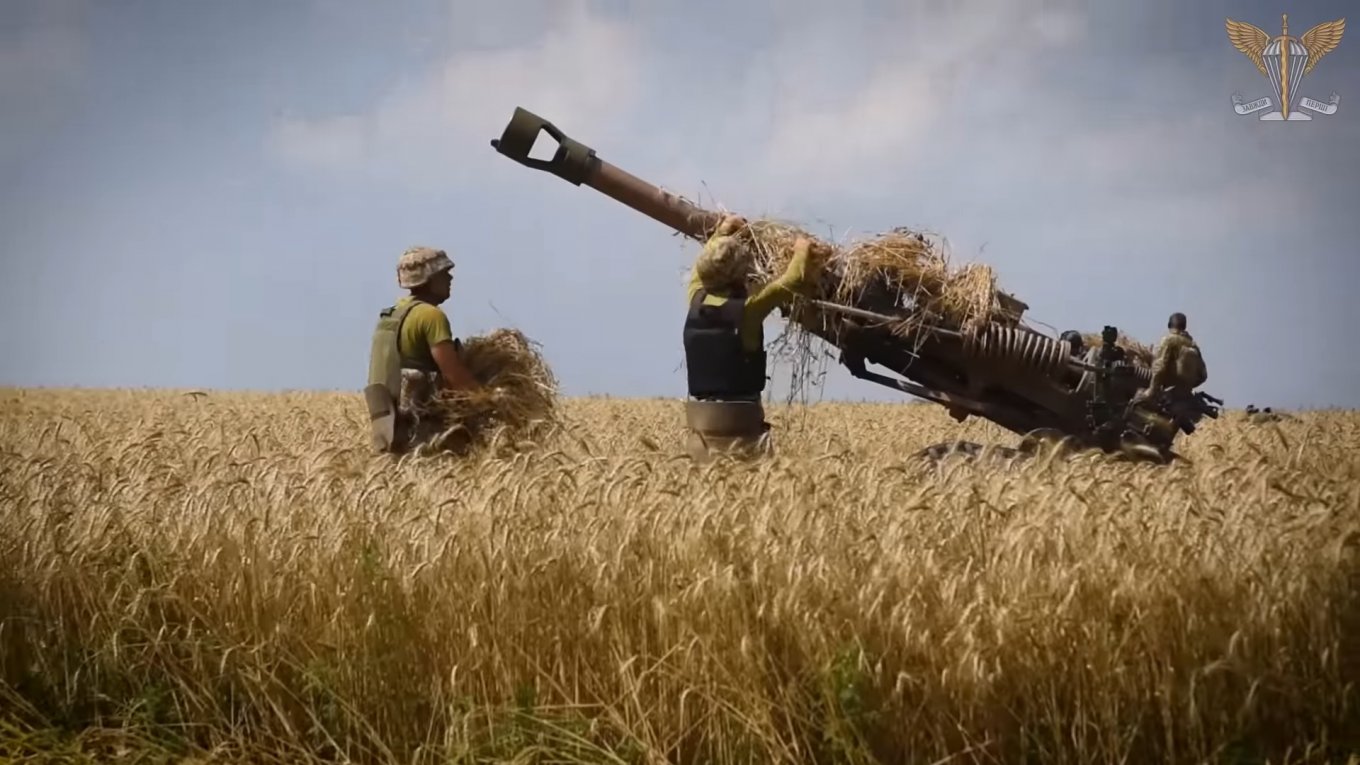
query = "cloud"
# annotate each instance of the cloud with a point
(806, 116)
(997, 124)
(838, 127)
(586, 69)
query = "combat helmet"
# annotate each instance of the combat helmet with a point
(724, 263)
(1074, 341)
(418, 264)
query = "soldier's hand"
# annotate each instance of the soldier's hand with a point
(816, 252)
(729, 225)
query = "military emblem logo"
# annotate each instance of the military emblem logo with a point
(1285, 60)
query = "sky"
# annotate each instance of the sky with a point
(214, 195)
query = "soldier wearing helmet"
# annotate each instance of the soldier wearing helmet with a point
(414, 354)
(724, 339)
(1178, 366)
(1075, 344)
(1076, 348)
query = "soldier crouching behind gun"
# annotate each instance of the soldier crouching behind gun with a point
(1178, 366)
(725, 341)
(414, 355)
(1177, 369)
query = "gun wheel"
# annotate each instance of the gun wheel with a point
(1138, 449)
(937, 452)
(1046, 439)
(968, 450)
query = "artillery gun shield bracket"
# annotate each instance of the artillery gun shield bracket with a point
(573, 161)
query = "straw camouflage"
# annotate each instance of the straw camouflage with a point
(724, 263)
(418, 264)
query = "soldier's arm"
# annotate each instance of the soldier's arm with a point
(777, 293)
(455, 373)
(1161, 364)
(694, 283)
(439, 335)
(781, 291)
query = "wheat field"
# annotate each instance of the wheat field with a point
(235, 578)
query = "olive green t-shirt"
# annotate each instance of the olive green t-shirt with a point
(425, 326)
(776, 294)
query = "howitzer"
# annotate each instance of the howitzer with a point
(1004, 371)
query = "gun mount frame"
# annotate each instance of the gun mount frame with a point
(1005, 372)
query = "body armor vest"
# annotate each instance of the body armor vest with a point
(385, 368)
(718, 365)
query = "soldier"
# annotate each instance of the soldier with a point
(1094, 356)
(1076, 348)
(1178, 366)
(725, 340)
(1075, 345)
(414, 354)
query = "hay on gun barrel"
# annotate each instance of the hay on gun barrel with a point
(909, 265)
(518, 398)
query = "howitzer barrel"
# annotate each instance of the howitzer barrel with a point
(578, 164)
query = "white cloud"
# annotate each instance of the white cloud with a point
(964, 110)
(804, 117)
(585, 71)
(928, 63)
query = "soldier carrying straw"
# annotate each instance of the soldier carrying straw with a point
(724, 339)
(414, 355)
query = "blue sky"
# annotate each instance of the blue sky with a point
(215, 195)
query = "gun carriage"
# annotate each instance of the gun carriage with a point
(1003, 371)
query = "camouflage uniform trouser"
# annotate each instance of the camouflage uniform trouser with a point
(1163, 414)
(1180, 405)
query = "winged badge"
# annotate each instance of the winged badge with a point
(1285, 60)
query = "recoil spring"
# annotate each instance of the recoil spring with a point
(1142, 373)
(1017, 348)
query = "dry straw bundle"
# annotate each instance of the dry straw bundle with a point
(518, 400)
(902, 260)
(906, 263)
